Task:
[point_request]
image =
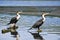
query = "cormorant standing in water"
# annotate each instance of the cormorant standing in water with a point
(15, 19)
(39, 22)
(13, 26)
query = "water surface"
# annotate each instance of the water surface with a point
(50, 28)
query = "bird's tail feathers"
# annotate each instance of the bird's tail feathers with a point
(30, 28)
(8, 23)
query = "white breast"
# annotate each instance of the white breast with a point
(18, 17)
(44, 19)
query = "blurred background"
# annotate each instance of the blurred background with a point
(32, 11)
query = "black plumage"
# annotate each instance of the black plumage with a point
(13, 20)
(37, 24)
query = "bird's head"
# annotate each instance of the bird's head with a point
(44, 13)
(18, 12)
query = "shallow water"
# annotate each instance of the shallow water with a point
(50, 28)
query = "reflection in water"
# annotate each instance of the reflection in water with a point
(12, 30)
(37, 36)
(52, 24)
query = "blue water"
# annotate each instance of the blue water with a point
(52, 24)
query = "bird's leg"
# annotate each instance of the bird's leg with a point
(39, 30)
(29, 28)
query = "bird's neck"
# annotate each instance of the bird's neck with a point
(18, 16)
(17, 13)
(43, 17)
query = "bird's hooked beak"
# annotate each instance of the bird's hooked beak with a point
(45, 13)
(18, 13)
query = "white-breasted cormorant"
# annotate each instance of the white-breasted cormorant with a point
(15, 19)
(39, 22)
